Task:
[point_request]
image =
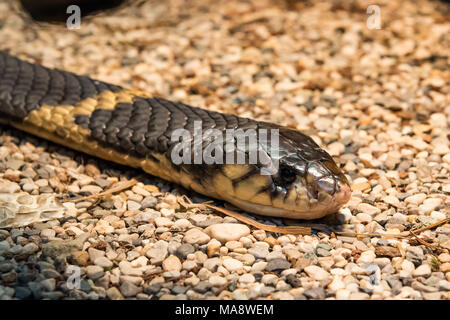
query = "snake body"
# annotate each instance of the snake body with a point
(134, 128)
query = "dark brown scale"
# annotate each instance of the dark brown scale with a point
(83, 121)
(231, 120)
(178, 118)
(39, 88)
(54, 89)
(25, 87)
(208, 122)
(88, 87)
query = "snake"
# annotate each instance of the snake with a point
(135, 128)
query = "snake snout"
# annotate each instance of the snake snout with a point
(343, 195)
(327, 184)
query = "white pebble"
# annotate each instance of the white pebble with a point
(317, 273)
(232, 264)
(225, 232)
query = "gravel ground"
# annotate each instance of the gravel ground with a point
(377, 100)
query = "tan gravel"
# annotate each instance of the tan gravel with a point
(377, 100)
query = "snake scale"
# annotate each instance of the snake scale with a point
(134, 128)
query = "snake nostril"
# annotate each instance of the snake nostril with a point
(314, 193)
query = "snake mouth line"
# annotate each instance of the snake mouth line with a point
(319, 211)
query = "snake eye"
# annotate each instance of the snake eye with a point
(287, 175)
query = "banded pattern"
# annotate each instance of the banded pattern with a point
(134, 128)
(145, 124)
(25, 87)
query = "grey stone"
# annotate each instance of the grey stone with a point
(14, 233)
(232, 286)
(103, 282)
(45, 265)
(77, 294)
(102, 183)
(6, 266)
(100, 291)
(425, 220)
(311, 255)
(50, 273)
(315, 293)
(54, 295)
(266, 290)
(158, 253)
(93, 296)
(144, 217)
(114, 294)
(25, 277)
(183, 250)
(258, 252)
(398, 218)
(258, 275)
(388, 269)
(94, 272)
(415, 255)
(179, 290)
(152, 289)
(395, 284)
(381, 218)
(203, 287)
(128, 289)
(416, 285)
(32, 232)
(444, 285)
(36, 289)
(282, 286)
(4, 234)
(371, 268)
(208, 222)
(275, 255)
(320, 252)
(382, 242)
(324, 246)
(277, 265)
(22, 292)
(293, 281)
(48, 284)
(30, 248)
(162, 292)
(59, 248)
(366, 290)
(149, 202)
(4, 247)
(85, 286)
(402, 195)
(432, 281)
(16, 249)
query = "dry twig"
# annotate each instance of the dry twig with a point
(115, 189)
